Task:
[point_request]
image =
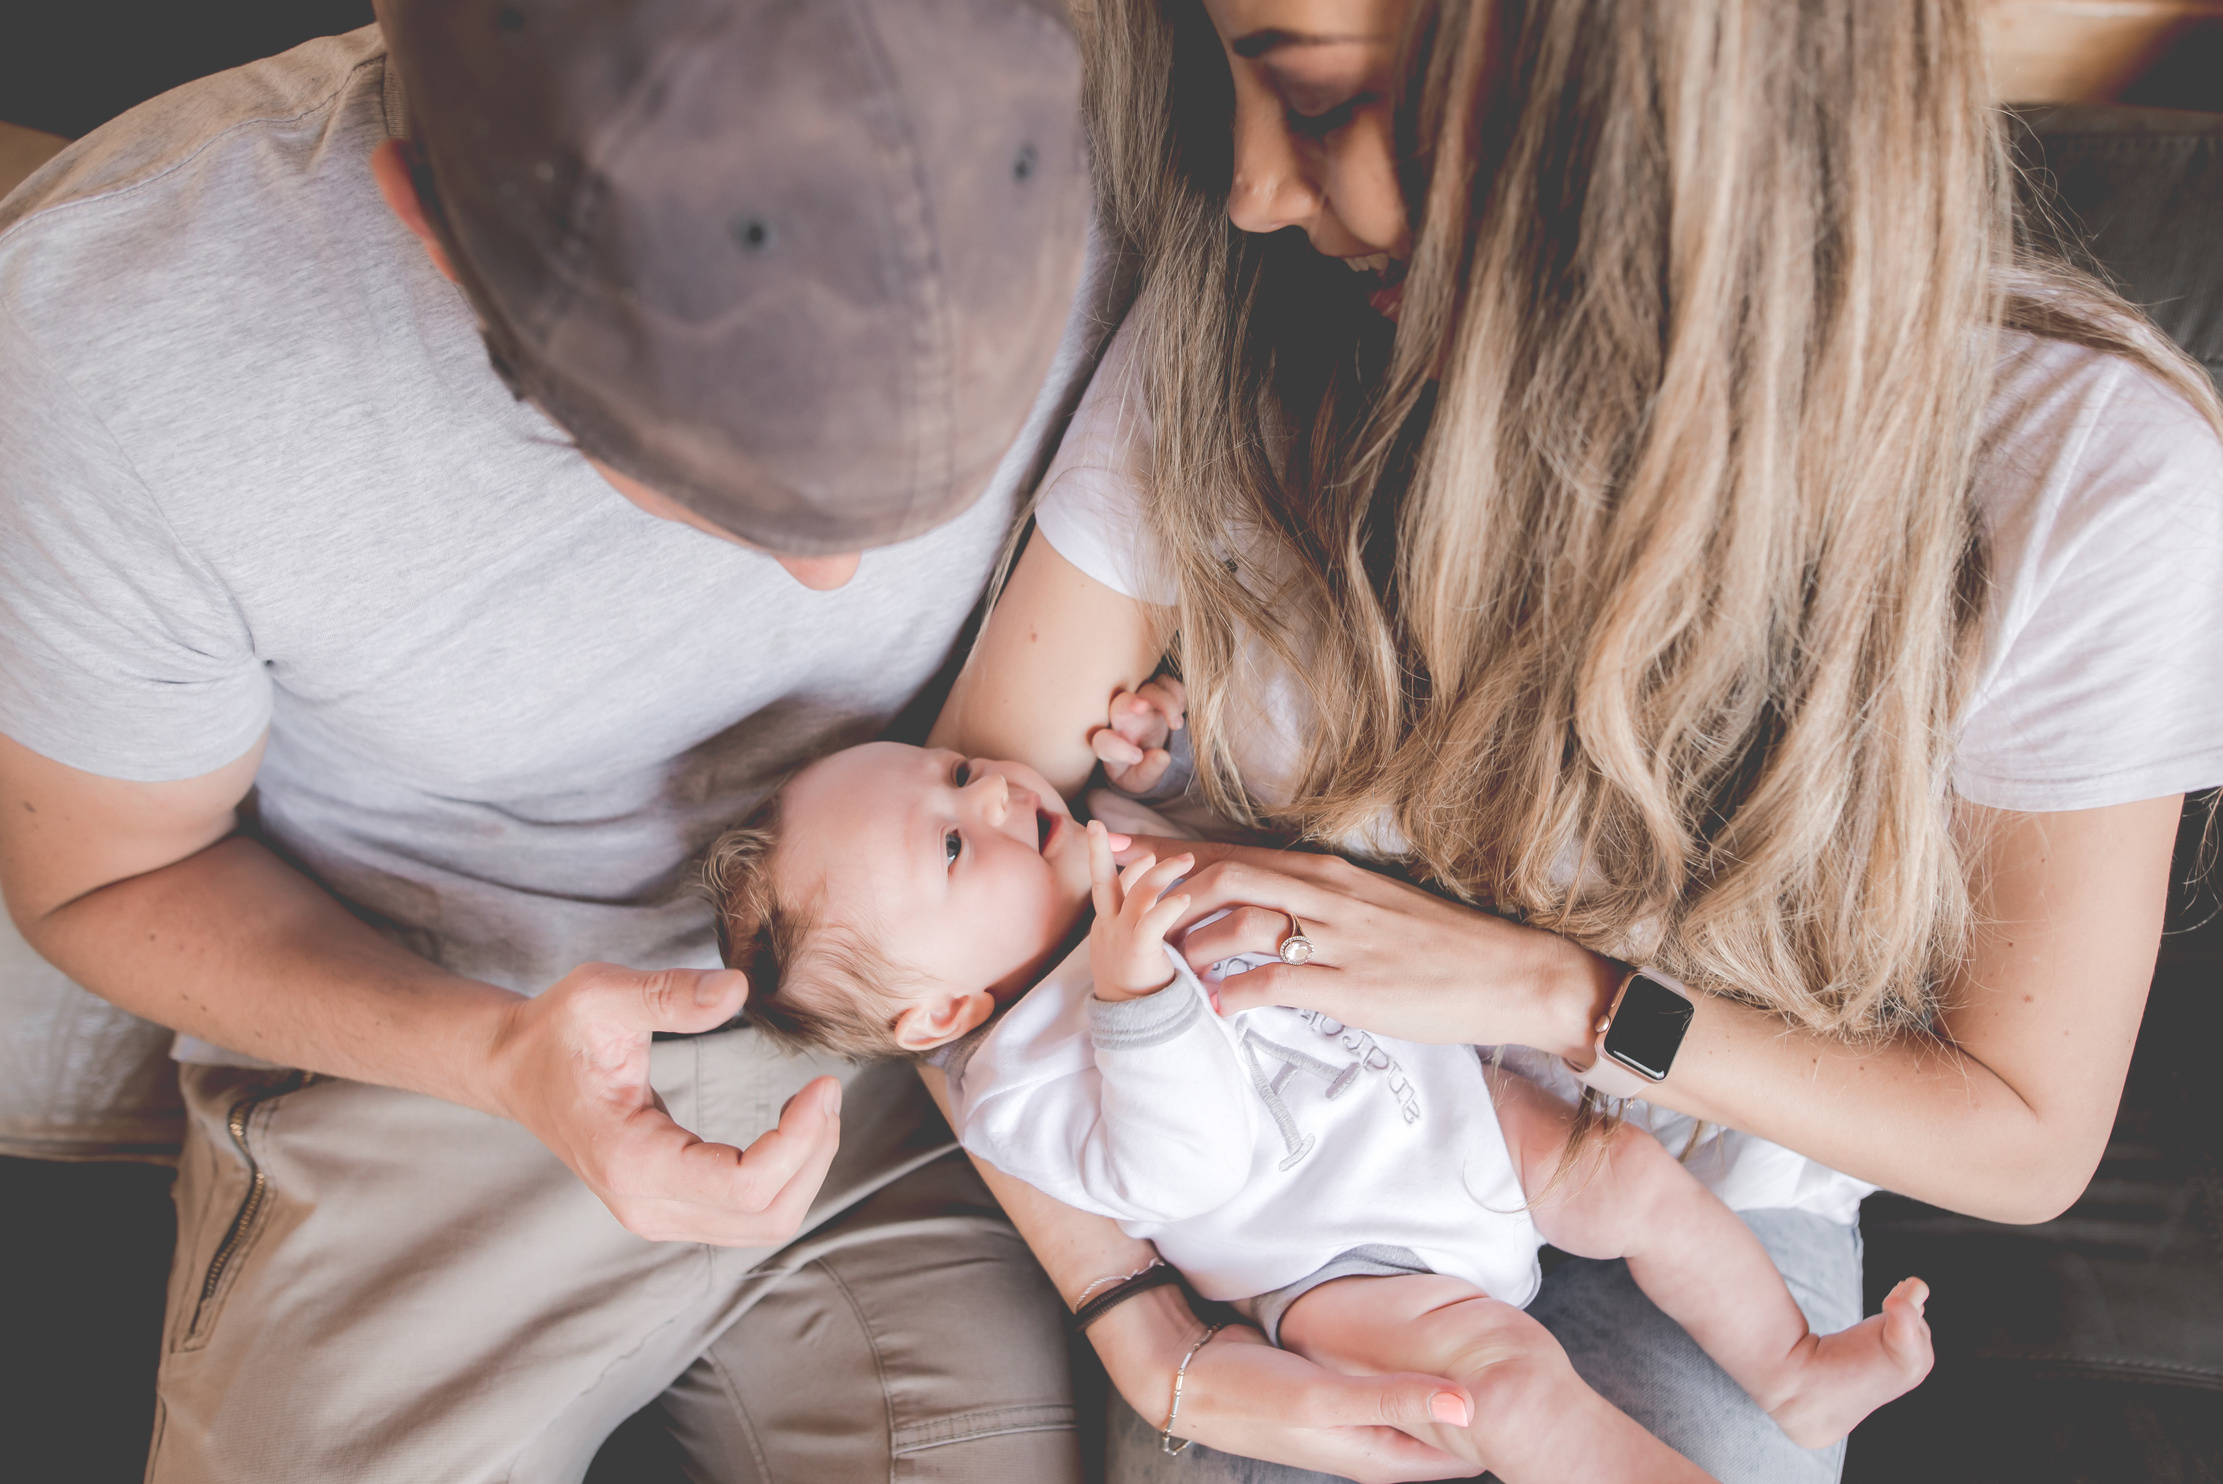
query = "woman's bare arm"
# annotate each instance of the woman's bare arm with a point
(1058, 646)
(2003, 1114)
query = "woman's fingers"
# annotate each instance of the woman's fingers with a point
(1314, 986)
(1242, 930)
(1254, 1400)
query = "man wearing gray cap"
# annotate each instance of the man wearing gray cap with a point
(386, 620)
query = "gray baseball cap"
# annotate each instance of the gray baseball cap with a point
(800, 265)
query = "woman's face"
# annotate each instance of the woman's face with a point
(1313, 80)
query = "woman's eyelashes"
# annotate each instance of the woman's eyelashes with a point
(1321, 124)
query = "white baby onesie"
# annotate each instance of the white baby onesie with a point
(1254, 1148)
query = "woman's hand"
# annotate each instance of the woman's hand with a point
(1387, 957)
(1243, 1396)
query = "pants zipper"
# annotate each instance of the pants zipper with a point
(250, 1204)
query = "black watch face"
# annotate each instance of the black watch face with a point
(1649, 1027)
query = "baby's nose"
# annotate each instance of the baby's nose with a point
(995, 795)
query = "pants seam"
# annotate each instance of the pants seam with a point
(879, 1361)
(741, 1410)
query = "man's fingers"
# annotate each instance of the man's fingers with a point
(686, 1001)
(657, 1160)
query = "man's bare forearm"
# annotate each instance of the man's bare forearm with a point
(239, 949)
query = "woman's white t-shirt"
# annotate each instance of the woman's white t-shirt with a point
(2102, 675)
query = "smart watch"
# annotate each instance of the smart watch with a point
(1639, 1035)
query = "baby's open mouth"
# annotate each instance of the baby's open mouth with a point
(1045, 828)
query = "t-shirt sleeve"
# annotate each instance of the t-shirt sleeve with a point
(119, 653)
(1092, 503)
(2102, 678)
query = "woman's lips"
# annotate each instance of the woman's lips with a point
(1388, 274)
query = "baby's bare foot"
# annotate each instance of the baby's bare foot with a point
(1851, 1373)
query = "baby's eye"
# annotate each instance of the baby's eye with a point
(953, 845)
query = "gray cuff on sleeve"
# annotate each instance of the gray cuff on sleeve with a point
(1153, 1020)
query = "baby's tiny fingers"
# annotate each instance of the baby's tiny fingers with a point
(1159, 920)
(1112, 749)
(1133, 872)
(1163, 875)
(1103, 876)
(1166, 696)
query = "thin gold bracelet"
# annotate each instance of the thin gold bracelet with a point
(1180, 1375)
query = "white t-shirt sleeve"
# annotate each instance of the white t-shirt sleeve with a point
(120, 653)
(2101, 680)
(1092, 504)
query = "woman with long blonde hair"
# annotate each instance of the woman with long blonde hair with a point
(1610, 463)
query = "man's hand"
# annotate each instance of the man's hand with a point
(572, 1066)
(1132, 743)
(1127, 942)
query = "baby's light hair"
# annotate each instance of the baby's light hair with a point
(813, 985)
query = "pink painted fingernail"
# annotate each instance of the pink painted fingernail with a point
(1449, 1406)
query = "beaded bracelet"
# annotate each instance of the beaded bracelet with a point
(1181, 1375)
(1157, 1275)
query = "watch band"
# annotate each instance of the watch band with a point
(1609, 1074)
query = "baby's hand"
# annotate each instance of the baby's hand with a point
(1132, 743)
(1127, 944)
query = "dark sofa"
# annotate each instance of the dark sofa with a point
(2089, 1349)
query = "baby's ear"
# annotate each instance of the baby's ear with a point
(941, 1018)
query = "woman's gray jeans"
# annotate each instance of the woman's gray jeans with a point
(1632, 1353)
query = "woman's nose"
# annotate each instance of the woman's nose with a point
(1272, 188)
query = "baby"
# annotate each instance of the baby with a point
(1374, 1205)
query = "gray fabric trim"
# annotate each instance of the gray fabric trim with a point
(952, 1057)
(1372, 1260)
(1153, 1020)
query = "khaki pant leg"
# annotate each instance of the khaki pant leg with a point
(912, 1340)
(373, 1285)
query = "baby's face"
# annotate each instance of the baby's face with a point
(970, 871)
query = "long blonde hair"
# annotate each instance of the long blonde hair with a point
(1635, 578)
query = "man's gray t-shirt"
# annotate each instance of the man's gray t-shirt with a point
(258, 474)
